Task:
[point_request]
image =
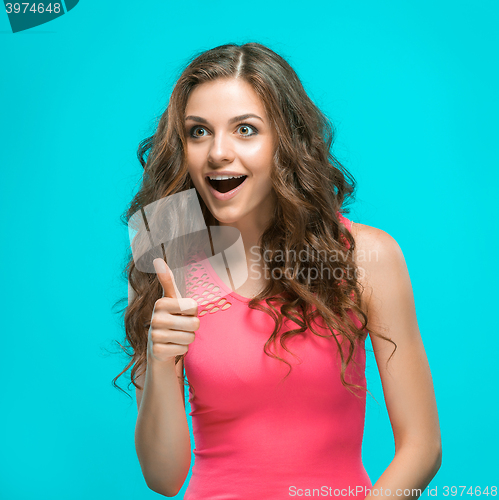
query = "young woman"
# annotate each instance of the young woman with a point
(276, 367)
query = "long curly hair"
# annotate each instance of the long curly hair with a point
(311, 188)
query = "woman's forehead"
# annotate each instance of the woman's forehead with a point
(233, 96)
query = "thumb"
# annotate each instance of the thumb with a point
(166, 279)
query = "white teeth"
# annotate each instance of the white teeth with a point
(225, 177)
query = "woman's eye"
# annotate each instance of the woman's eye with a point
(195, 130)
(245, 130)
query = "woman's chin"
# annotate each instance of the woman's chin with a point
(226, 216)
(227, 221)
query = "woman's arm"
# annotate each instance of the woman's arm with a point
(140, 380)
(407, 383)
(162, 438)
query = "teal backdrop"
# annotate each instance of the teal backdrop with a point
(412, 90)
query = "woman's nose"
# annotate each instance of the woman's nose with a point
(221, 150)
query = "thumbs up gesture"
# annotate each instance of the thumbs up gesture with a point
(174, 320)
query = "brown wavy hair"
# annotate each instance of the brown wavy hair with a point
(311, 187)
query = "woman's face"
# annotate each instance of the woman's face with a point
(229, 135)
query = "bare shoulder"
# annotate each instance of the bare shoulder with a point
(379, 258)
(371, 240)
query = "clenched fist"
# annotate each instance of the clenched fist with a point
(174, 320)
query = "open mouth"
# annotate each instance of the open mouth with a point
(226, 185)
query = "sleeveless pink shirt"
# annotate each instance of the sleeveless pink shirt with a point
(256, 436)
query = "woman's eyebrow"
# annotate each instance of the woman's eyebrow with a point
(232, 120)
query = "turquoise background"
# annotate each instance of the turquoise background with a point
(412, 90)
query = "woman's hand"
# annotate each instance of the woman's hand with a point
(174, 320)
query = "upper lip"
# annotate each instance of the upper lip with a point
(223, 172)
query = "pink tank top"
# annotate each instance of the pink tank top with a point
(258, 437)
